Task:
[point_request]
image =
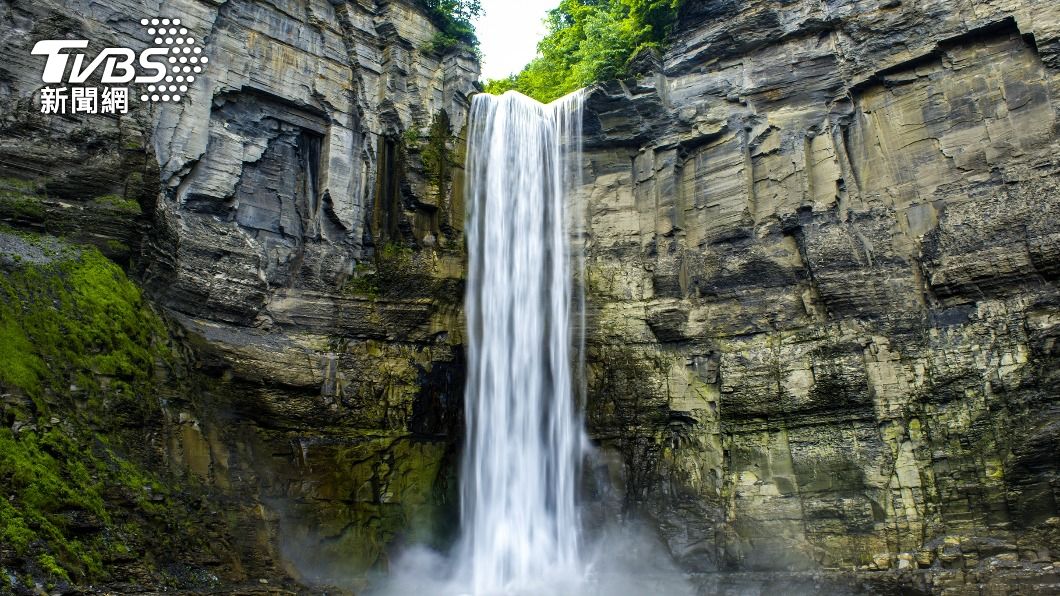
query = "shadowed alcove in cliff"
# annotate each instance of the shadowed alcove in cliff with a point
(407, 162)
(263, 171)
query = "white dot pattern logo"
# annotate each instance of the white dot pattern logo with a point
(184, 58)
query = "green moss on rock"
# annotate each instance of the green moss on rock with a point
(20, 201)
(74, 314)
(399, 272)
(436, 156)
(78, 347)
(119, 203)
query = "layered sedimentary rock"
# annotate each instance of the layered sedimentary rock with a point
(294, 217)
(821, 267)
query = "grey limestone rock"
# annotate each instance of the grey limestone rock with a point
(822, 287)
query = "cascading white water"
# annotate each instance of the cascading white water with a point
(521, 533)
(524, 437)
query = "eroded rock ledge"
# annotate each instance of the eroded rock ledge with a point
(294, 218)
(822, 266)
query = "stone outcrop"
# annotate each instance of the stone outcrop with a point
(821, 268)
(294, 217)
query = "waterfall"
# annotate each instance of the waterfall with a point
(520, 529)
(525, 438)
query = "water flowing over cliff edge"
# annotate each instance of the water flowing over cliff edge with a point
(525, 438)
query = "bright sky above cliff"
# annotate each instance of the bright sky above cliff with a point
(508, 33)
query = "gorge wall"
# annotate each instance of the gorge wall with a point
(293, 220)
(821, 268)
(822, 253)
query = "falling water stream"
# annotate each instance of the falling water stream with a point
(521, 533)
(525, 439)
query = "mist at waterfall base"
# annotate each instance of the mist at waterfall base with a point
(521, 531)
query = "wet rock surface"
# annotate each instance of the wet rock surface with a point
(822, 290)
(295, 220)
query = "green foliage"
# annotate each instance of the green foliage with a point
(394, 260)
(21, 207)
(453, 20)
(590, 41)
(51, 567)
(13, 528)
(119, 203)
(18, 199)
(499, 86)
(363, 284)
(115, 246)
(80, 312)
(399, 272)
(441, 43)
(411, 136)
(436, 155)
(393, 268)
(19, 184)
(22, 367)
(77, 350)
(49, 476)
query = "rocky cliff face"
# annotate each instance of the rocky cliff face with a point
(294, 219)
(298, 198)
(822, 264)
(821, 269)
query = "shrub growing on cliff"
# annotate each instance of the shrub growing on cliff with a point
(453, 20)
(590, 41)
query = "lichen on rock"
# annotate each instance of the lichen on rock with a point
(814, 227)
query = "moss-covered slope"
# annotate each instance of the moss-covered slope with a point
(79, 349)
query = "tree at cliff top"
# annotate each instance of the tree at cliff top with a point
(453, 19)
(590, 41)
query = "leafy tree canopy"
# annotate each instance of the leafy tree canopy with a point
(453, 19)
(590, 41)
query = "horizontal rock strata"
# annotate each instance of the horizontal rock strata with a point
(821, 266)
